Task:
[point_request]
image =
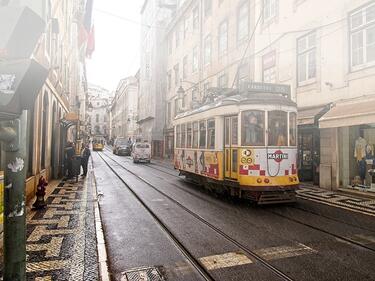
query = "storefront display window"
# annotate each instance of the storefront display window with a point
(356, 156)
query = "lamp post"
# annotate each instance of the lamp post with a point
(180, 96)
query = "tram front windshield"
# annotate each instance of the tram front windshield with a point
(254, 128)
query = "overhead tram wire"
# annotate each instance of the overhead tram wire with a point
(256, 54)
(248, 45)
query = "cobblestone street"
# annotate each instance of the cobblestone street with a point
(61, 240)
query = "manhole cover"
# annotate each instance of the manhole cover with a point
(142, 274)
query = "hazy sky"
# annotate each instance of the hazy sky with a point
(117, 44)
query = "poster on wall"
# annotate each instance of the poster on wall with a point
(1, 196)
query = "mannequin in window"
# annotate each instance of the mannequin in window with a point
(369, 151)
(360, 155)
(360, 147)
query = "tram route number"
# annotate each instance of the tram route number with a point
(245, 160)
(247, 157)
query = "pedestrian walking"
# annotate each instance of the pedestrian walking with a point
(69, 154)
(85, 155)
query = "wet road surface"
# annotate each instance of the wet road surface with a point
(190, 234)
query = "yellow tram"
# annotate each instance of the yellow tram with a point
(98, 143)
(243, 142)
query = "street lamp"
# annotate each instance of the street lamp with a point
(180, 96)
(180, 92)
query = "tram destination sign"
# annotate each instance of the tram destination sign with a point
(266, 88)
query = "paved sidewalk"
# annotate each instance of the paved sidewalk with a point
(61, 240)
(338, 199)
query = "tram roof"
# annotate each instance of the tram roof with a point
(218, 97)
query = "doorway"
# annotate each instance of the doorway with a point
(231, 147)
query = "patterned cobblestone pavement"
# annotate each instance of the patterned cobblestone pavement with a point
(61, 240)
(360, 205)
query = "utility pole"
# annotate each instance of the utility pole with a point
(13, 135)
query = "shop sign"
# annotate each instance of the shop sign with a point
(278, 156)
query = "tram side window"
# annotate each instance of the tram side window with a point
(188, 135)
(202, 134)
(178, 136)
(253, 128)
(277, 128)
(211, 133)
(227, 131)
(195, 134)
(183, 135)
(292, 129)
(234, 130)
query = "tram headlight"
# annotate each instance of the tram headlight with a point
(266, 180)
(290, 179)
(259, 180)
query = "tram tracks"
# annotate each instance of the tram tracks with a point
(295, 220)
(195, 262)
(192, 260)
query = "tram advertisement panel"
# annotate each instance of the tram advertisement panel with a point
(279, 165)
(207, 163)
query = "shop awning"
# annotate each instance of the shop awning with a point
(309, 116)
(349, 113)
(70, 119)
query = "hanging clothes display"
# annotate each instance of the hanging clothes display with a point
(360, 148)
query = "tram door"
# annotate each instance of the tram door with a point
(231, 147)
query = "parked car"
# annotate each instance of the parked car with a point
(141, 152)
(118, 143)
(124, 150)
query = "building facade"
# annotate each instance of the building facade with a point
(208, 46)
(151, 111)
(60, 51)
(124, 109)
(98, 117)
(326, 55)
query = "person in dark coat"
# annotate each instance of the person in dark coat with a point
(69, 154)
(85, 155)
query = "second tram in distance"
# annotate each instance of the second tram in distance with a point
(242, 142)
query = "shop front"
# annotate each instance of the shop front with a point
(309, 143)
(350, 138)
(169, 143)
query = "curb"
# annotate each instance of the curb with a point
(361, 194)
(101, 248)
(345, 191)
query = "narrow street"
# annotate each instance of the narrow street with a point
(153, 218)
(187, 140)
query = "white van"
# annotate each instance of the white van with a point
(141, 152)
